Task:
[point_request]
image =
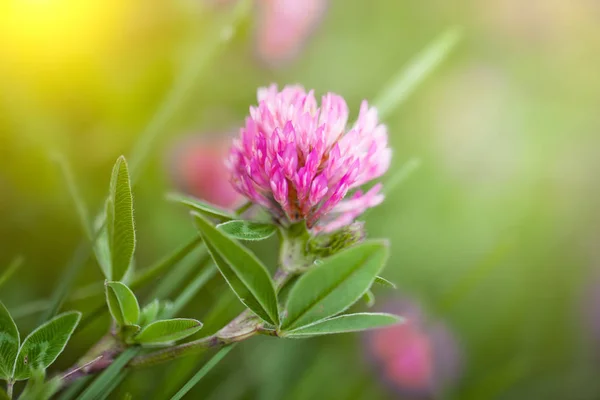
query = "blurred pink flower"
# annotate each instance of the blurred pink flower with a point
(416, 359)
(297, 160)
(198, 168)
(284, 26)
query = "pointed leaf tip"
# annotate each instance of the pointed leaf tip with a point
(347, 323)
(334, 285)
(243, 271)
(120, 223)
(202, 207)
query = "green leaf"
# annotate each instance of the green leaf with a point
(9, 343)
(334, 285)
(369, 298)
(119, 220)
(384, 282)
(168, 330)
(45, 344)
(247, 230)
(202, 207)
(346, 323)
(149, 313)
(122, 303)
(246, 275)
(202, 372)
(128, 332)
(101, 246)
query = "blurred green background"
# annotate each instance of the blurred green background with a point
(495, 233)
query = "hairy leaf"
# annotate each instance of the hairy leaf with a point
(384, 282)
(168, 330)
(247, 230)
(9, 343)
(246, 275)
(346, 323)
(119, 220)
(334, 285)
(149, 313)
(45, 344)
(122, 303)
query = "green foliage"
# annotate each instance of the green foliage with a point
(167, 331)
(244, 273)
(119, 221)
(384, 282)
(334, 285)
(346, 323)
(149, 312)
(201, 373)
(202, 207)
(369, 298)
(12, 268)
(122, 303)
(328, 244)
(101, 385)
(247, 230)
(45, 344)
(9, 343)
(38, 388)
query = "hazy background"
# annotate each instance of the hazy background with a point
(495, 234)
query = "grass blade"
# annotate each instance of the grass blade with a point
(180, 273)
(165, 264)
(148, 138)
(181, 89)
(61, 292)
(80, 207)
(190, 291)
(13, 267)
(101, 386)
(400, 175)
(74, 389)
(418, 69)
(202, 372)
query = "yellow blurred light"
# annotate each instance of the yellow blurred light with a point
(47, 32)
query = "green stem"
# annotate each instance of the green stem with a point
(9, 388)
(174, 352)
(293, 255)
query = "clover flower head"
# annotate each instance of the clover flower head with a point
(300, 162)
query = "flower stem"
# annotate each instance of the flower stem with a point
(293, 257)
(9, 388)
